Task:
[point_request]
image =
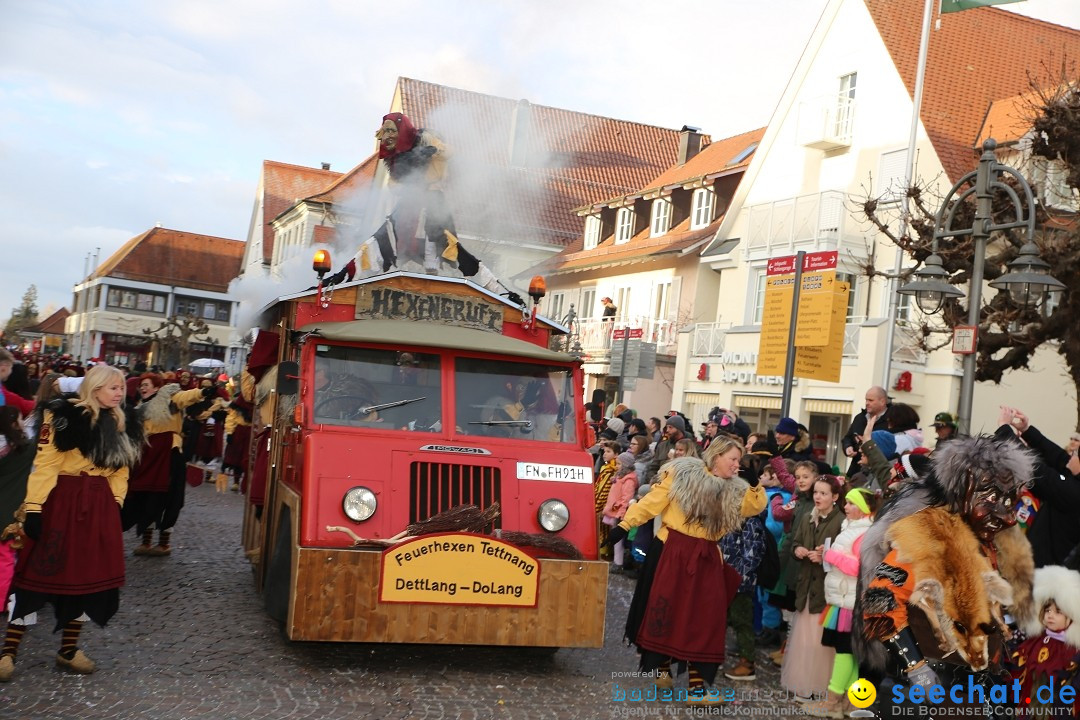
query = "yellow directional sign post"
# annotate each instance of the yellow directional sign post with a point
(817, 311)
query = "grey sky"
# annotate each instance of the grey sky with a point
(116, 115)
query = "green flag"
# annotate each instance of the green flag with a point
(948, 6)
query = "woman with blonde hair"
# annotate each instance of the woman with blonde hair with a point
(679, 609)
(73, 557)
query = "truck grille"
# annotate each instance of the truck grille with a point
(434, 487)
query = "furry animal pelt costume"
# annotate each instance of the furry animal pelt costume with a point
(159, 408)
(956, 586)
(706, 500)
(100, 443)
(1061, 585)
(946, 485)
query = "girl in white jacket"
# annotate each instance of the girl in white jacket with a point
(842, 559)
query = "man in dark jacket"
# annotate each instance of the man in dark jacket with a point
(877, 405)
(674, 431)
(1056, 484)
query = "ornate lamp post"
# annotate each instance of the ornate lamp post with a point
(1027, 281)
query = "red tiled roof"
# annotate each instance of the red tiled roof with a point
(174, 257)
(347, 185)
(716, 159)
(571, 158)
(978, 56)
(639, 248)
(283, 185)
(52, 325)
(1008, 120)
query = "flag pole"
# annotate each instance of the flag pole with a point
(909, 172)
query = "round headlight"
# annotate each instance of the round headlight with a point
(553, 515)
(359, 504)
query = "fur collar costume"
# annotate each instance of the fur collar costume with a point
(706, 500)
(945, 485)
(158, 408)
(1061, 585)
(100, 443)
(956, 586)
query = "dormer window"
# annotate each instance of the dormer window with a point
(592, 231)
(701, 211)
(624, 225)
(661, 217)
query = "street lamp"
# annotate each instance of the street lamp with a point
(1028, 279)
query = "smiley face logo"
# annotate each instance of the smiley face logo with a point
(862, 693)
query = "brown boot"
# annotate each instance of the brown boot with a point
(78, 663)
(163, 547)
(743, 671)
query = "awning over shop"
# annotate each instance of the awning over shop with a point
(698, 398)
(829, 407)
(764, 402)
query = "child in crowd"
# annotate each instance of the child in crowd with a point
(623, 490)
(639, 445)
(800, 479)
(601, 488)
(743, 551)
(12, 435)
(771, 618)
(687, 448)
(1050, 655)
(842, 558)
(903, 434)
(807, 663)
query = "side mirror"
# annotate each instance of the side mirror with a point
(288, 378)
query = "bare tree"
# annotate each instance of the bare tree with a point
(173, 338)
(1008, 334)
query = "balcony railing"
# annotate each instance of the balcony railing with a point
(818, 221)
(709, 339)
(595, 335)
(826, 123)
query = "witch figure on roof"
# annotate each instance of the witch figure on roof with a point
(420, 229)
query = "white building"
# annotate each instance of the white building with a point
(152, 277)
(838, 135)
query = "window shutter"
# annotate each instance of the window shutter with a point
(673, 298)
(891, 171)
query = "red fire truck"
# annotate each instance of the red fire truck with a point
(398, 398)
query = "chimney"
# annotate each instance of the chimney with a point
(689, 143)
(520, 127)
(326, 166)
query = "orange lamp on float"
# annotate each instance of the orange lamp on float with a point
(537, 291)
(321, 264)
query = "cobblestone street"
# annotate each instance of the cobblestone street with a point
(191, 640)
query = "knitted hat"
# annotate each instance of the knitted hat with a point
(886, 443)
(787, 426)
(912, 465)
(625, 460)
(677, 422)
(616, 424)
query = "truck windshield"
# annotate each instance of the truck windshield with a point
(514, 400)
(364, 387)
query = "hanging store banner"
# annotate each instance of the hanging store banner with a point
(459, 569)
